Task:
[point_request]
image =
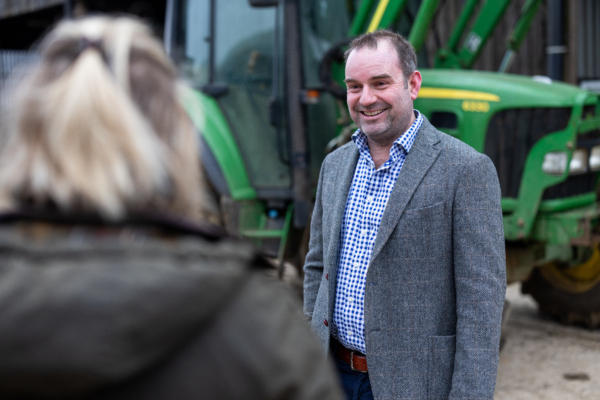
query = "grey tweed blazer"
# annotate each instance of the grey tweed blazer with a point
(436, 280)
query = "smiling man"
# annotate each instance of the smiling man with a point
(405, 274)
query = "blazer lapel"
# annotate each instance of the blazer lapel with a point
(342, 182)
(418, 161)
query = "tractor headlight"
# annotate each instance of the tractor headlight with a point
(595, 158)
(579, 162)
(555, 163)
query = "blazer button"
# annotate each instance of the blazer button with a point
(325, 322)
(327, 276)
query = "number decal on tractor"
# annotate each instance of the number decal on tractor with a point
(476, 106)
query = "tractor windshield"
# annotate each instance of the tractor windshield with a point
(237, 27)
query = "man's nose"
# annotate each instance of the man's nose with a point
(367, 97)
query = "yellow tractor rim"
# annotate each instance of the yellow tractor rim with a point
(577, 279)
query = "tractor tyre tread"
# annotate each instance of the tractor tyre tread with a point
(569, 308)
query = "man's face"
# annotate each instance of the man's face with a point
(379, 99)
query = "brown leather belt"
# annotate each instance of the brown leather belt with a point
(357, 361)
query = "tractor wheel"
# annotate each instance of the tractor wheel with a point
(571, 294)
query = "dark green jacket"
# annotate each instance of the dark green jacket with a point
(147, 310)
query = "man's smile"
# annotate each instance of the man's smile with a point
(372, 113)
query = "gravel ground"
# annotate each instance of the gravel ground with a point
(543, 360)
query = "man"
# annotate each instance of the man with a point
(406, 262)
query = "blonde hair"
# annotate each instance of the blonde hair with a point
(98, 126)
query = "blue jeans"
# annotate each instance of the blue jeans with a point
(357, 385)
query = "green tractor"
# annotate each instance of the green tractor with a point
(268, 104)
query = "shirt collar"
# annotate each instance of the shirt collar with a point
(404, 142)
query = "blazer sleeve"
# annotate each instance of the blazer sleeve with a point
(480, 279)
(313, 264)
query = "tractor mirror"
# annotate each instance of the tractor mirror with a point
(263, 3)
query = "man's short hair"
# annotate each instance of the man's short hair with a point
(406, 53)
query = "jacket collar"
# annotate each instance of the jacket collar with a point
(424, 152)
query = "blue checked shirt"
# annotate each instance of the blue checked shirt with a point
(369, 193)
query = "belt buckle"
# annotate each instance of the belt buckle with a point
(352, 363)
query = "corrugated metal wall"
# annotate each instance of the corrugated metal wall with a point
(531, 59)
(9, 61)
(588, 39)
(582, 39)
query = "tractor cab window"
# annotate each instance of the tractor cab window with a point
(191, 47)
(242, 44)
(239, 57)
(244, 40)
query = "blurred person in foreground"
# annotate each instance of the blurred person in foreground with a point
(111, 286)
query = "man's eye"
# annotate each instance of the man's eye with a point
(381, 84)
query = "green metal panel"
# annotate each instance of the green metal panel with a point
(209, 120)
(393, 11)
(484, 25)
(519, 32)
(528, 13)
(255, 226)
(567, 203)
(386, 13)
(359, 22)
(508, 204)
(559, 228)
(589, 124)
(464, 18)
(420, 28)
(534, 181)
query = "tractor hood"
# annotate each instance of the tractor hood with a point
(514, 90)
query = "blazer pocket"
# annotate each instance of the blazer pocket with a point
(429, 210)
(441, 366)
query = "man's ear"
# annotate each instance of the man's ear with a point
(414, 84)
